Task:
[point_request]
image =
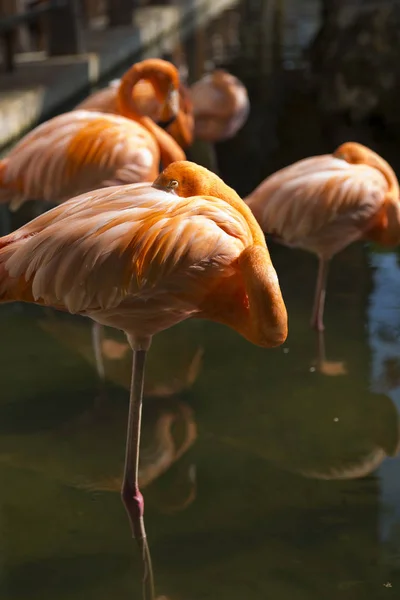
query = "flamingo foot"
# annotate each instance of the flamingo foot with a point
(317, 319)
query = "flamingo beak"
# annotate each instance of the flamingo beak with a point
(171, 105)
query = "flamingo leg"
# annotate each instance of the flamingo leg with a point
(130, 492)
(321, 348)
(97, 330)
(317, 319)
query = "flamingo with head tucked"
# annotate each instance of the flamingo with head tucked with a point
(324, 203)
(141, 259)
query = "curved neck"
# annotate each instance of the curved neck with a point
(385, 226)
(251, 303)
(264, 322)
(376, 161)
(182, 129)
(156, 72)
(170, 151)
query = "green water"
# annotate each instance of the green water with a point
(267, 474)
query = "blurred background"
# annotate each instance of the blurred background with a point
(266, 474)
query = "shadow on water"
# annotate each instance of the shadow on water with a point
(266, 474)
(69, 573)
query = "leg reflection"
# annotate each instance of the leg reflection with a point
(325, 366)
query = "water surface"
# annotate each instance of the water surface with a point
(266, 473)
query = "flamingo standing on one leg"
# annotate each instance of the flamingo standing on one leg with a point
(141, 259)
(324, 203)
(144, 98)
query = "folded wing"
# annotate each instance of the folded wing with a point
(320, 203)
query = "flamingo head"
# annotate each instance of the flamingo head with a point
(187, 179)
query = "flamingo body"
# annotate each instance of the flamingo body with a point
(320, 204)
(138, 259)
(76, 152)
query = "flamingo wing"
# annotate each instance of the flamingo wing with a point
(320, 204)
(128, 242)
(76, 152)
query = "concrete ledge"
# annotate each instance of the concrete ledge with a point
(41, 86)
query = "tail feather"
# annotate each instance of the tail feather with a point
(17, 289)
(11, 289)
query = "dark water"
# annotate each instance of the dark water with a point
(266, 473)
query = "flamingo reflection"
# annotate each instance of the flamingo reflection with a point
(334, 433)
(323, 365)
(168, 373)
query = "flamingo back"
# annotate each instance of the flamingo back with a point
(130, 246)
(76, 152)
(320, 204)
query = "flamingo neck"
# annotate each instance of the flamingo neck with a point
(183, 127)
(379, 163)
(170, 151)
(254, 307)
(386, 224)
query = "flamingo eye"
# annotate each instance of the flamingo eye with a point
(173, 184)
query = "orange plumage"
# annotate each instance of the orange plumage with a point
(324, 203)
(141, 259)
(81, 150)
(146, 101)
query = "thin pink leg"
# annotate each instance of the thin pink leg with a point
(97, 334)
(317, 319)
(321, 349)
(130, 492)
